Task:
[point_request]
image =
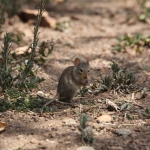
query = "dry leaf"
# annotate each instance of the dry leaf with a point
(2, 126)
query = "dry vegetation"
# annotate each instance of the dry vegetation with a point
(112, 112)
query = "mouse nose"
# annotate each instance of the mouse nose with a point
(85, 76)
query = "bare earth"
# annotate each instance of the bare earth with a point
(93, 29)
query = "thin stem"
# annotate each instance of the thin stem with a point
(6, 50)
(34, 44)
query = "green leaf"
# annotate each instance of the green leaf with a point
(142, 17)
(124, 106)
(117, 48)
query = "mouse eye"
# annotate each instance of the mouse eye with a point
(81, 70)
(88, 70)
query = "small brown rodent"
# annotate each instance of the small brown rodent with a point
(71, 80)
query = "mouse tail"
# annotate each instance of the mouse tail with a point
(51, 100)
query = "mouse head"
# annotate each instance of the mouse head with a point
(83, 67)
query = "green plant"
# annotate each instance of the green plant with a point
(129, 117)
(118, 79)
(126, 106)
(45, 49)
(146, 114)
(33, 46)
(4, 105)
(106, 83)
(135, 42)
(17, 82)
(86, 131)
(22, 102)
(83, 91)
(12, 7)
(17, 36)
(62, 26)
(6, 79)
(144, 15)
(122, 79)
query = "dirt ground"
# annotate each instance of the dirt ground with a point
(93, 29)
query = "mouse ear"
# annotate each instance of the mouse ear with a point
(76, 61)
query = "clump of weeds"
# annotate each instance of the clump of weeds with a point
(85, 130)
(118, 79)
(17, 82)
(136, 42)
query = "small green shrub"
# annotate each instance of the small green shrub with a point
(45, 49)
(130, 117)
(135, 42)
(11, 7)
(18, 82)
(144, 15)
(106, 83)
(22, 102)
(117, 79)
(86, 131)
(6, 79)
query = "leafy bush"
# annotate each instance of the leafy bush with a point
(22, 102)
(17, 82)
(86, 131)
(11, 7)
(118, 79)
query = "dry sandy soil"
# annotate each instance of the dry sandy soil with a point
(92, 30)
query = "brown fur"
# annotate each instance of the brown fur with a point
(71, 80)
